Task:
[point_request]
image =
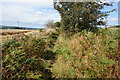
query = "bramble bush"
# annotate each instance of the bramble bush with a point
(28, 58)
(55, 55)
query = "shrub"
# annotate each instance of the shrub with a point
(50, 24)
(28, 58)
(57, 24)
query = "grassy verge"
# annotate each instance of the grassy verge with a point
(54, 55)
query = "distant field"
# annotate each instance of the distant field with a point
(12, 31)
(6, 34)
(9, 33)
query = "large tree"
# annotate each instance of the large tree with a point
(77, 16)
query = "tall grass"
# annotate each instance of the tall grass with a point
(87, 55)
(55, 55)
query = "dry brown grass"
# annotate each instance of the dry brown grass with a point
(6, 34)
(85, 56)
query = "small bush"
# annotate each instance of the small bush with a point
(50, 24)
(57, 24)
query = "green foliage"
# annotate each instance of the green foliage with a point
(28, 58)
(50, 24)
(77, 16)
(41, 30)
(55, 55)
(117, 26)
(57, 24)
(83, 55)
(17, 28)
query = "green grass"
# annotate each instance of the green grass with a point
(55, 55)
(87, 55)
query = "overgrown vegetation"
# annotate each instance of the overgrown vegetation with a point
(87, 55)
(117, 26)
(52, 24)
(77, 49)
(49, 55)
(28, 58)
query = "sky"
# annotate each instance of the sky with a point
(35, 13)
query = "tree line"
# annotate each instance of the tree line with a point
(78, 16)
